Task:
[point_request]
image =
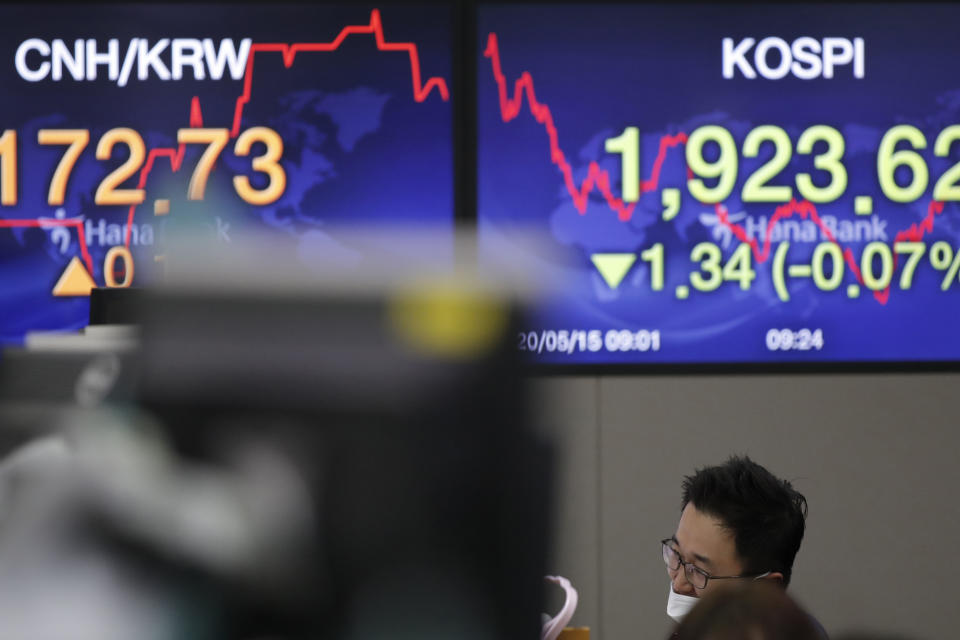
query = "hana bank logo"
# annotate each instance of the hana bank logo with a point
(721, 233)
(865, 229)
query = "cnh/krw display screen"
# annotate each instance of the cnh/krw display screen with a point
(121, 126)
(728, 184)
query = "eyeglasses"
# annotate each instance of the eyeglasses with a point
(694, 575)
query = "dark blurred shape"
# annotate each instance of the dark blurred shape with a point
(87, 368)
(749, 610)
(110, 305)
(55, 373)
(271, 454)
(63, 378)
(871, 635)
(402, 410)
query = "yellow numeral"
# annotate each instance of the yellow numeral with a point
(756, 189)
(654, 255)
(888, 159)
(109, 263)
(915, 249)
(739, 267)
(948, 186)
(833, 251)
(267, 163)
(724, 167)
(107, 192)
(216, 140)
(76, 141)
(831, 160)
(876, 282)
(8, 167)
(627, 144)
(708, 255)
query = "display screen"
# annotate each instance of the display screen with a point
(727, 184)
(121, 126)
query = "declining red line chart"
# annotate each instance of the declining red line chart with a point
(510, 108)
(46, 223)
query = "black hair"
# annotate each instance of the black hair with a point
(765, 515)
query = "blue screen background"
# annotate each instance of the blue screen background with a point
(601, 68)
(359, 150)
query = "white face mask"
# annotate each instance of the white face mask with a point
(679, 605)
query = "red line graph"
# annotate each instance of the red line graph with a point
(804, 209)
(914, 233)
(289, 51)
(421, 91)
(176, 160)
(510, 109)
(375, 27)
(81, 236)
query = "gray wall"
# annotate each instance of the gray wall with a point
(875, 455)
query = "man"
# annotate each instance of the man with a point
(738, 522)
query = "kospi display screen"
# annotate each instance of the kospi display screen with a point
(121, 126)
(728, 184)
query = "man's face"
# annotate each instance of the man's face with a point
(702, 540)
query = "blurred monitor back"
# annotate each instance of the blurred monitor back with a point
(55, 373)
(402, 405)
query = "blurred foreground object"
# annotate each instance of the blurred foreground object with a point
(553, 627)
(870, 635)
(751, 610)
(345, 454)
